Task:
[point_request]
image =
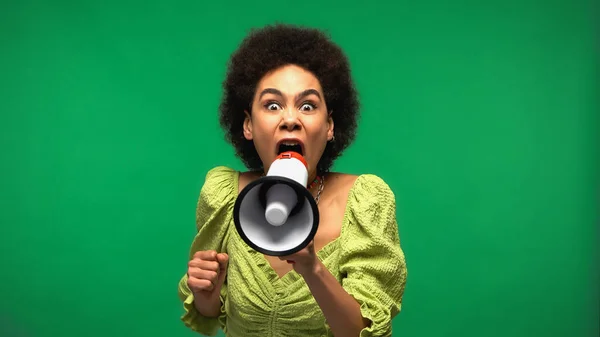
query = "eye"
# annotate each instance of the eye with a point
(272, 106)
(307, 107)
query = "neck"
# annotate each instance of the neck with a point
(314, 180)
(312, 177)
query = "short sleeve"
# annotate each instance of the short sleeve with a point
(213, 216)
(372, 263)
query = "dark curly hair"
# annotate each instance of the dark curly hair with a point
(274, 46)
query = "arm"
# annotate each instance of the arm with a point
(341, 310)
(371, 262)
(206, 314)
(206, 274)
(209, 308)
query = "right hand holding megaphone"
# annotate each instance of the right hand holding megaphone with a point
(206, 274)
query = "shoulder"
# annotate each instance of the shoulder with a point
(371, 211)
(370, 199)
(219, 187)
(217, 196)
(363, 186)
(219, 174)
(226, 181)
(372, 185)
(341, 183)
(245, 178)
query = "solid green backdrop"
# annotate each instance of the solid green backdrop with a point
(482, 117)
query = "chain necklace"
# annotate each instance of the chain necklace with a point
(321, 185)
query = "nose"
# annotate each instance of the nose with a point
(289, 120)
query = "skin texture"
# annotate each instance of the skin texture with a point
(289, 103)
(206, 274)
(269, 48)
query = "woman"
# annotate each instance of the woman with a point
(292, 85)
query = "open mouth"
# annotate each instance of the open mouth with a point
(290, 145)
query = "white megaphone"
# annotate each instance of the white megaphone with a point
(276, 214)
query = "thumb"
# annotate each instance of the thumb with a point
(223, 260)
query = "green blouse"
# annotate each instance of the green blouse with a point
(366, 259)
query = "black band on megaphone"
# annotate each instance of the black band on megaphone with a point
(304, 196)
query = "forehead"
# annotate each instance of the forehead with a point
(290, 79)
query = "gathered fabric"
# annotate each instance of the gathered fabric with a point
(366, 259)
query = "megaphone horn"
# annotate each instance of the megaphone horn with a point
(276, 214)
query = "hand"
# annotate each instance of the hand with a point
(305, 262)
(206, 274)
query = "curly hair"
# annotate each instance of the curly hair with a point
(272, 47)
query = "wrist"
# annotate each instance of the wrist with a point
(208, 306)
(315, 272)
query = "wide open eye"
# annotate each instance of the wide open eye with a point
(307, 107)
(272, 106)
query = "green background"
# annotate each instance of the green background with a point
(482, 116)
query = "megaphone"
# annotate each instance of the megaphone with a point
(276, 214)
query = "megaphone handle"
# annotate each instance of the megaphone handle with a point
(262, 197)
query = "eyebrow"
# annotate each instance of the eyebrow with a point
(299, 96)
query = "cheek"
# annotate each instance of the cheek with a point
(263, 130)
(319, 145)
(318, 139)
(263, 135)
(317, 128)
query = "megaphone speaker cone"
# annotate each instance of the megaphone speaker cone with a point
(276, 214)
(281, 199)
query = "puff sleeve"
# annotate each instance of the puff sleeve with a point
(372, 263)
(213, 216)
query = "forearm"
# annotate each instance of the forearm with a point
(340, 309)
(208, 307)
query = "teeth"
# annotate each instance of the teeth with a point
(288, 143)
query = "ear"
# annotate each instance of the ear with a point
(329, 127)
(247, 126)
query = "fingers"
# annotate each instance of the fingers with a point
(203, 264)
(304, 252)
(204, 273)
(209, 255)
(223, 260)
(206, 270)
(210, 275)
(289, 259)
(209, 260)
(200, 284)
